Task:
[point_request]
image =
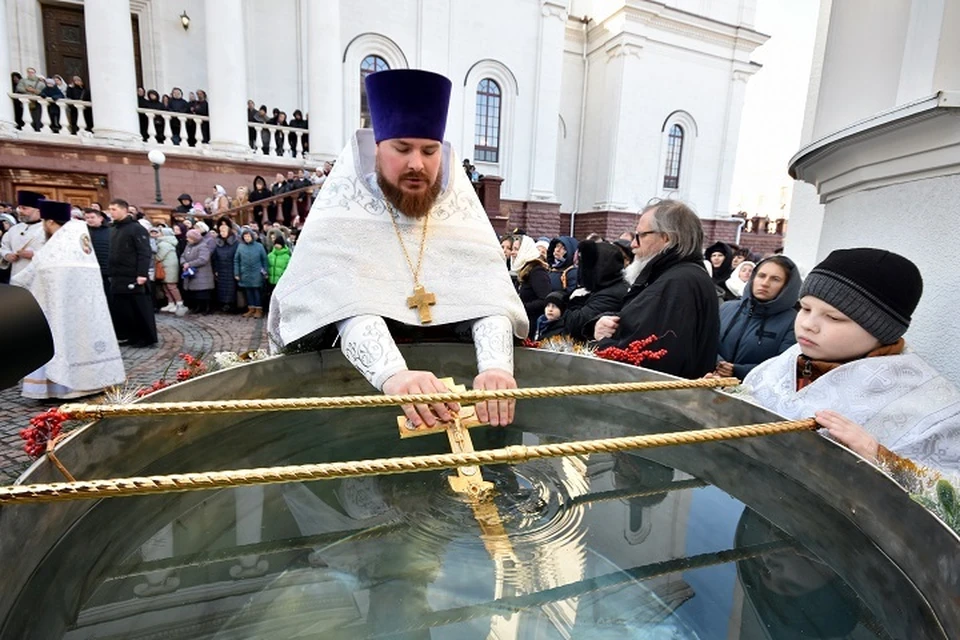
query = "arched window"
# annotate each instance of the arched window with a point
(486, 145)
(671, 173)
(370, 64)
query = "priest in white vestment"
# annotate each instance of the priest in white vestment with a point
(23, 240)
(397, 235)
(64, 277)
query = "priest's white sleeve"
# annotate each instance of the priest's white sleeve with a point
(493, 340)
(366, 342)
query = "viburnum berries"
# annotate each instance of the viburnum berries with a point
(636, 352)
(43, 428)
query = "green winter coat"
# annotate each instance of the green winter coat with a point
(277, 259)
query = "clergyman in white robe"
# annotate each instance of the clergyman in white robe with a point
(64, 277)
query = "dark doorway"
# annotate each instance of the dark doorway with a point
(65, 41)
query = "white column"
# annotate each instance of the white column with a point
(6, 104)
(113, 79)
(736, 94)
(549, 72)
(325, 73)
(227, 75)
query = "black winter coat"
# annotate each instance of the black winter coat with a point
(100, 239)
(601, 277)
(222, 259)
(259, 194)
(534, 288)
(130, 255)
(675, 300)
(752, 331)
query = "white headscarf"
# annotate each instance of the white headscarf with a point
(526, 254)
(734, 284)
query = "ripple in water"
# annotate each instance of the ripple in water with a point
(533, 503)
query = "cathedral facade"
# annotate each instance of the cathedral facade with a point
(586, 109)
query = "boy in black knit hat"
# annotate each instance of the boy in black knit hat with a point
(551, 322)
(850, 368)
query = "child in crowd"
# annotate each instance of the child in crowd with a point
(850, 368)
(552, 315)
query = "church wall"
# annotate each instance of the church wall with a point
(130, 176)
(637, 171)
(516, 47)
(274, 61)
(568, 139)
(865, 50)
(866, 219)
(181, 55)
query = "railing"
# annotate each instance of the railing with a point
(273, 139)
(244, 213)
(58, 117)
(168, 129)
(173, 128)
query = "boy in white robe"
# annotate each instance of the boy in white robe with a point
(850, 368)
(64, 277)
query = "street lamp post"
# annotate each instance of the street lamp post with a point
(157, 159)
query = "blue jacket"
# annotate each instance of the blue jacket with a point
(250, 264)
(564, 276)
(753, 331)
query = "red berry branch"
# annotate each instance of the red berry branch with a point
(636, 352)
(46, 426)
(194, 367)
(43, 428)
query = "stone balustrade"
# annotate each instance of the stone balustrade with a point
(278, 140)
(65, 120)
(61, 117)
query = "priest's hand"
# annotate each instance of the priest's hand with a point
(606, 327)
(499, 413)
(849, 434)
(26, 254)
(405, 382)
(11, 257)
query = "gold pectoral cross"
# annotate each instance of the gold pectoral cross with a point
(421, 301)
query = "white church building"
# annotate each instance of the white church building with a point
(880, 162)
(588, 108)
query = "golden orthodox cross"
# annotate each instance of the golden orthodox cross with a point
(421, 301)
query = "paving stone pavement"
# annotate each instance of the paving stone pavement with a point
(193, 334)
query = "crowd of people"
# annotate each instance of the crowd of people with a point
(55, 88)
(195, 103)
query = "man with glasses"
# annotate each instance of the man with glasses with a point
(671, 295)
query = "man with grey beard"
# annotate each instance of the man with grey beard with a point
(671, 295)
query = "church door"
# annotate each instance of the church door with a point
(65, 42)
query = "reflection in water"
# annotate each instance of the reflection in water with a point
(594, 549)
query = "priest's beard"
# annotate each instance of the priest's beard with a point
(414, 205)
(635, 268)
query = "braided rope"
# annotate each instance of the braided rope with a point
(136, 486)
(98, 411)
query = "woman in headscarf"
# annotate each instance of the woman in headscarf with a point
(197, 272)
(534, 280)
(223, 256)
(220, 200)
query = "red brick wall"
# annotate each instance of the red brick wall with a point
(130, 176)
(536, 218)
